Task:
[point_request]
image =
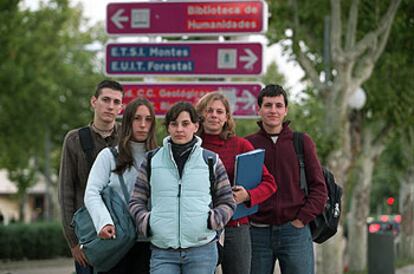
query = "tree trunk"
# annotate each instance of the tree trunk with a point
(353, 64)
(407, 215)
(357, 227)
(22, 206)
(360, 201)
(330, 254)
(331, 251)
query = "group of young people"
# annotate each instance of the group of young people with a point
(179, 216)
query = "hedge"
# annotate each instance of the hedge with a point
(32, 241)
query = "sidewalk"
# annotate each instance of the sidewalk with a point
(65, 266)
(52, 266)
(405, 270)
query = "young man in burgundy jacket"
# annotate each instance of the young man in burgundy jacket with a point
(280, 230)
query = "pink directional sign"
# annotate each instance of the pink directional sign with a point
(190, 18)
(206, 59)
(242, 96)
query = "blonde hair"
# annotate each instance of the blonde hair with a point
(229, 126)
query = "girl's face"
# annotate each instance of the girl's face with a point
(215, 116)
(182, 130)
(141, 124)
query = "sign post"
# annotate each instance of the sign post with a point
(184, 59)
(187, 18)
(241, 96)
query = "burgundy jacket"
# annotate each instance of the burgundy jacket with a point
(289, 202)
(227, 150)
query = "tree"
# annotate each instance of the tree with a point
(388, 114)
(48, 77)
(350, 57)
(394, 177)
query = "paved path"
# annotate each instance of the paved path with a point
(55, 266)
(406, 270)
(65, 266)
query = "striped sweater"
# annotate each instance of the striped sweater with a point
(218, 216)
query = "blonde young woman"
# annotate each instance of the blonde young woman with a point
(137, 136)
(217, 132)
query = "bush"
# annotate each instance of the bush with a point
(32, 241)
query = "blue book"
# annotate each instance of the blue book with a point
(248, 171)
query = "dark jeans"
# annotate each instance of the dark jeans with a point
(136, 261)
(292, 246)
(193, 260)
(237, 250)
(83, 270)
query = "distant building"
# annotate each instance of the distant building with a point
(9, 204)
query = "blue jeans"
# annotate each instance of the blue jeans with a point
(237, 250)
(193, 260)
(292, 246)
(83, 269)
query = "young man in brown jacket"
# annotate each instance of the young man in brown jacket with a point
(280, 230)
(76, 162)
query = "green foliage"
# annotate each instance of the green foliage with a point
(273, 75)
(390, 93)
(390, 170)
(47, 76)
(32, 241)
(390, 90)
(246, 127)
(161, 131)
(307, 115)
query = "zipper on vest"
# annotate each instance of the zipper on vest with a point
(179, 212)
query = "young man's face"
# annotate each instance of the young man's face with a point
(272, 112)
(108, 105)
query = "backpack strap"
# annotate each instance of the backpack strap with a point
(210, 158)
(298, 144)
(86, 142)
(120, 177)
(150, 154)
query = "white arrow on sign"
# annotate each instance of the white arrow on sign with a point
(247, 98)
(117, 18)
(250, 59)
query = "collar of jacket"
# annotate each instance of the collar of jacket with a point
(212, 139)
(262, 131)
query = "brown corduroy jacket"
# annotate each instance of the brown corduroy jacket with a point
(73, 175)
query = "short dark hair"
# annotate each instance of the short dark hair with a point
(114, 85)
(272, 91)
(179, 107)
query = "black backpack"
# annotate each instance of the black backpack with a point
(86, 142)
(325, 225)
(210, 159)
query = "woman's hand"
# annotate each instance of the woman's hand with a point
(107, 232)
(240, 194)
(79, 256)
